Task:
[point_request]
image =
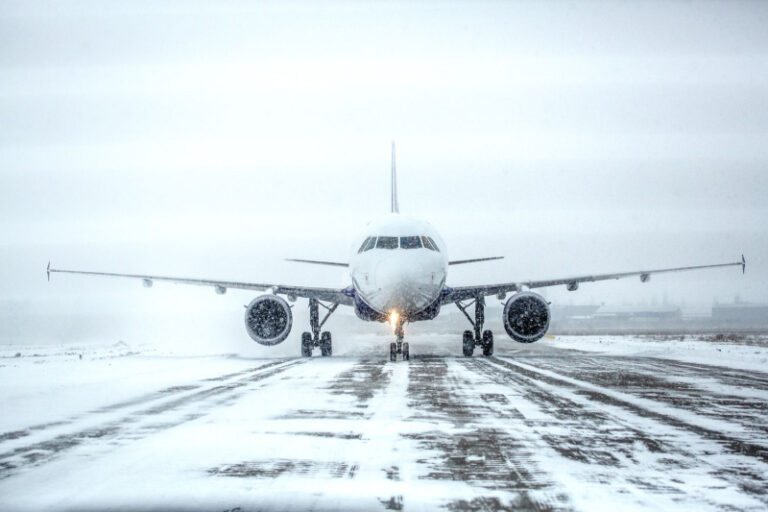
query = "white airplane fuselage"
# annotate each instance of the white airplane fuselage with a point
(398, 266)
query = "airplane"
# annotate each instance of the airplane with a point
(398, 275)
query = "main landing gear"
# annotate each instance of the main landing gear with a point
(317, 339)
(399, 347)
(478, 338)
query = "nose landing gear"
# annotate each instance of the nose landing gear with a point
(317, 339)
(479, 338)
(399, 347)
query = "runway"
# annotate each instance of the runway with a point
(544, 428)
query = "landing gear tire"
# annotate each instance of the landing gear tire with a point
(487, 343)
(406, 352)
(306, 344)
(393, 351)
(468, 343)
(326, 347)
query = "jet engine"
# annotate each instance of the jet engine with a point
(268, 319)
(526, 317)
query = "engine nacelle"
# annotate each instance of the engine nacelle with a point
(268, 319)
(526, 317)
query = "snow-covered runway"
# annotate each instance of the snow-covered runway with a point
(535, 428)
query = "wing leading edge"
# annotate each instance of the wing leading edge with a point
(319, 262)
(324, 294)
(475, 260)
(572, 283)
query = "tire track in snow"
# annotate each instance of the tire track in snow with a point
(644, 407)
(144, 399)
(135, 425)
(469, 443)
(351, 425)
(724, 400)
(618, 441)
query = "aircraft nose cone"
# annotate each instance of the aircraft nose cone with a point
(406, 288)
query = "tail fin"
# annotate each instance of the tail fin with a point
(395, 207)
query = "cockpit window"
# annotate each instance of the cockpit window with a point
(367, 244)
(410, 242)
(391, 242)
(386, 242)
(429, 243)
(371, 244)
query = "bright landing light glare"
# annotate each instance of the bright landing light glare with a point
(393, 316)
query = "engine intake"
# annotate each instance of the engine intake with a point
(526, 317)
(268, 319)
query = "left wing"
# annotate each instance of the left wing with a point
(572, 283)
(324, 294)
(318, 262)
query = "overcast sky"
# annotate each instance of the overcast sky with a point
(213, 139)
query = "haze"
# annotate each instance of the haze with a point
(213, 140)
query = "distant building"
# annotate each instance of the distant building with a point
(592, 319)
(572, 312)
(653, 313)
(740, 313)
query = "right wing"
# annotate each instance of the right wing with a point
(475, 260)
(454, 294)
(324, 294)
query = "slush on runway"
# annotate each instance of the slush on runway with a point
(542, 427)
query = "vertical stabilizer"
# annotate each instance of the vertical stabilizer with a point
(395, 207)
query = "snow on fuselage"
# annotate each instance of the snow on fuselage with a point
(398, 266)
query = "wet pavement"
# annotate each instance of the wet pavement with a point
(549, 429)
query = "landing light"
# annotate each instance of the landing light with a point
(393, 316)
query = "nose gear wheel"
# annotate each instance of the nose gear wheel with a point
(398, 346)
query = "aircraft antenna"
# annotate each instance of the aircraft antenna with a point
(395, 207)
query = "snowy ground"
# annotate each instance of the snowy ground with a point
(569, 423)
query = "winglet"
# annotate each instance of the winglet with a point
(48, 271)
(743, 264)
(394, 205)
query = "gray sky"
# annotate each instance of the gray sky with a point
(214, 139)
